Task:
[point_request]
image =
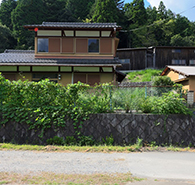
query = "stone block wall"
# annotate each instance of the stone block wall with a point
(125, 129)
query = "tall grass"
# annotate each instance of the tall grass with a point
(143, 75)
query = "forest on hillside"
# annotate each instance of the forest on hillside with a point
(141, 27)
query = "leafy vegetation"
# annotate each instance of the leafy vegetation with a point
(128, 99)
(168, 103)
(151, 26)
(138, 146)
(143, 75)
(45, 104)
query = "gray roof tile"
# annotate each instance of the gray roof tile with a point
(74, 25)
(27, 57)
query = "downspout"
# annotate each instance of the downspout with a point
(114, 75)
(146, 57)
(154, 57)
(72, 77)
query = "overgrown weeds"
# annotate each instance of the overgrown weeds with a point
(96, 148)
(73, 179)
(143, 75)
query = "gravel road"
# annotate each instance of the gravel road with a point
(167, 165)
(59, 162)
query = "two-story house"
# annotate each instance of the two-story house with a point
(66, 52)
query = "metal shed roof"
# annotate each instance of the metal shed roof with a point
(185, 70)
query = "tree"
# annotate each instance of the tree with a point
(136, 12)
(56, 11)
(178, 40)
(162, 11)
(151, 14)
(80, 9)
(27, 12)
(7, 40)
(182, 26)
(105, 11)
(5, 12)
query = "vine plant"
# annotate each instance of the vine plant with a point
(45, 104)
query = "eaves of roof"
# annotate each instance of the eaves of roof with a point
(22, 57)
(184, 70)
(73, 25)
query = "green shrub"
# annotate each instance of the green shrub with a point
(70, 140)
(147, 105)
(168, 103)
(55, 141)
(128, 99)
(46, 104)
(85, 141)
(109, 141)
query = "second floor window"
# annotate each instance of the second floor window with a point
(42, 45)
(93, 45)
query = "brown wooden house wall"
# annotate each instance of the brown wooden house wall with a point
(137, 58)
(67, 45)
(144, 57)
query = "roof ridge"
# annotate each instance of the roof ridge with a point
(18, 51)
(45, 23)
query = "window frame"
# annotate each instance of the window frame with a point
(47, 45)
(97, 39)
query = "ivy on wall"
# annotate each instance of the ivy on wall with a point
(46, 104)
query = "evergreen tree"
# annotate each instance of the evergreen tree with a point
(136, 12)
(27, 12)
(56, 11)
(182, 26)
(7, 40)
(162, 11)
(151, 14)
(5, 12)
(105, 11)
(80, 9)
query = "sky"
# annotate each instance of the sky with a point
(176, 6)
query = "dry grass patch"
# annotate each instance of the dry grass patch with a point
(70, 179)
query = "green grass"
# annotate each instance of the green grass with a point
(101, 148)
(143, 75)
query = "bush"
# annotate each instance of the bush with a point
(70, 140)
(46, 104)
(55, 141)
(168, 103)
(109, 141)
(162, 82)
(128, 98)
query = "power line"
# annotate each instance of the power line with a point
(159, 22)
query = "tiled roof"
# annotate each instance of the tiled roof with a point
(73, 25)
(27, 57)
